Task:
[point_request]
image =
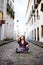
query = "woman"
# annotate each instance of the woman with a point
(23, 45)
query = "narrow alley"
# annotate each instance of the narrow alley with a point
(21, 22)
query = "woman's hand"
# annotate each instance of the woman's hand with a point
(27, 46)
(16, 39)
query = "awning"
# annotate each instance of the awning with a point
(2, 21)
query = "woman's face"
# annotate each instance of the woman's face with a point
(22, 39)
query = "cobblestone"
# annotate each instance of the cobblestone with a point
(9, 57)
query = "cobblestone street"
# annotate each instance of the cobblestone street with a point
(9, 57)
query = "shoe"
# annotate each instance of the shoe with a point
(26, 52)
(16, 50)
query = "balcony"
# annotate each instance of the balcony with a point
(12, 14)
(42, 7)
(36, 5)
(38, 1)
(33, 11)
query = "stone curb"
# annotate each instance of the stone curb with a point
(5, 42)
(40, 44)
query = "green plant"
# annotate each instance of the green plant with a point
(10, 11)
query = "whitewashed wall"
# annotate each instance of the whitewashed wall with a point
(8, 27)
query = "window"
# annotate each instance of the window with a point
(42, 30)
(42, 7)
(37, 14)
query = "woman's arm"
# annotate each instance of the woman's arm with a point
(18, 40)
(27, 45)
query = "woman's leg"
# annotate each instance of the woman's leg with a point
(19, 50)
(27, 49)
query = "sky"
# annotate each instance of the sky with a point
(20, 9)
(20, 12)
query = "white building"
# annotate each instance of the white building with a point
(6, 19)
(34, 18)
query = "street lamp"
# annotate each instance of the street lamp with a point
(17, 20)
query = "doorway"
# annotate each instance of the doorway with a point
(37, 34)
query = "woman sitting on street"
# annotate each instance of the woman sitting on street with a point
(23, 45)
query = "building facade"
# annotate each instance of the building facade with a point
(6, 19)
(34, 18)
